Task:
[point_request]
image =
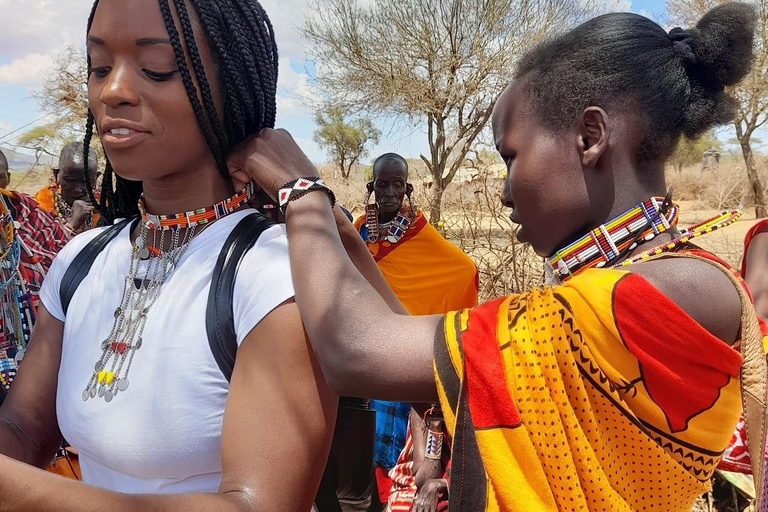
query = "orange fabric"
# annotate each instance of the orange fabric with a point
(44, 198)
(428, 274)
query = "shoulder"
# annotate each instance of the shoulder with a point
(263, 280)
(78, 243)
(700, 289)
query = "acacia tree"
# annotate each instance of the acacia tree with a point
(752, 92)
(64, 95)
(64, 98)
(442, 63)
(345, 141)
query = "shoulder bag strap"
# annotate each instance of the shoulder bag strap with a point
(83, 262)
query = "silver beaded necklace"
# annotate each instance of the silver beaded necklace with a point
(143, 284)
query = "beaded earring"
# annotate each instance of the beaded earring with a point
(371, 218)
(401, 222)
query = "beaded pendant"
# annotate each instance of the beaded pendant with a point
(399, 226)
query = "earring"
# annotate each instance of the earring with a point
(371, 219)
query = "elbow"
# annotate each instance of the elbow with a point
(342, 380)
(344, 370)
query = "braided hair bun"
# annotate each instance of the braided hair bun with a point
(717, 53)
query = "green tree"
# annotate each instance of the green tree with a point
(752, 92)
(690, 152)
(345, 141)
(439, 63)
(41, 140)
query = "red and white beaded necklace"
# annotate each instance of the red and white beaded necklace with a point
(151, 264)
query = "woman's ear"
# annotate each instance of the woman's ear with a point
(593, 135)
(369, 187)
(408, 189)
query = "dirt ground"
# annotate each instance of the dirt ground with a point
(728, 243)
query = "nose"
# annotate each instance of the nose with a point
(506, 193)
(120, 87)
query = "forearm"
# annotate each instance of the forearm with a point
(27, 489)
(345, 316)
(429, 469)
(361, 258)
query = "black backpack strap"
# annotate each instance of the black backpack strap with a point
(220, 320)
(219, 315)
(83, 262)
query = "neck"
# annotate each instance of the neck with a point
(638, 185)
(187, 191)
(387, 217)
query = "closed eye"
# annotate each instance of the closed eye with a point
(159, 77)
(101, 72)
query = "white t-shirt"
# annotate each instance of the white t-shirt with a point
(162, 435)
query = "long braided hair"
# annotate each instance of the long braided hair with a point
(245, 53)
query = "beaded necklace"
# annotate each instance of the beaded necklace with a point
(722, 220)
(17, 315)
(608, 242)
(63, 210)
(391, 231)
(143, 285)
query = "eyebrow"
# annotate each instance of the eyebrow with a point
(144, 41)
(149, 41)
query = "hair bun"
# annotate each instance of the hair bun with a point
(682, 45)
(721, 45)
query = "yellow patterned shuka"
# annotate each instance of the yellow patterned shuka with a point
(600, 394)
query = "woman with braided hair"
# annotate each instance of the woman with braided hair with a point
(122, 364)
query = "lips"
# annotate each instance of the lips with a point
(122, 134)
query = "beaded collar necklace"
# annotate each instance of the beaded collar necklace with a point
(142, 287)
(612, 240)
(391, 231)
(197, 217)
(722, 220)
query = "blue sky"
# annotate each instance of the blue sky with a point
(36, 33)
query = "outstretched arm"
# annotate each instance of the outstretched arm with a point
(364, 348)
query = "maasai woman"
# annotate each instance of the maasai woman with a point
(126, 374)
(617, 389)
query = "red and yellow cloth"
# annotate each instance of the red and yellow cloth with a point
(428, 274)
(600, 394)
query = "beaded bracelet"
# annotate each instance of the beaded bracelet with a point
(300, 187)
(434, 445)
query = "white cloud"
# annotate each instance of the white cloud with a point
(295, 95)
(28, 70)
(5, 128)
